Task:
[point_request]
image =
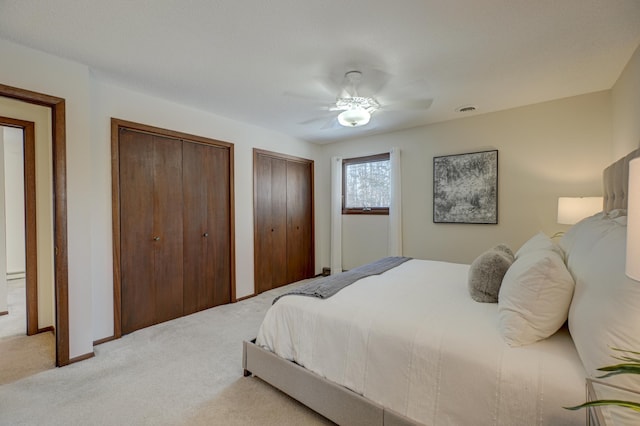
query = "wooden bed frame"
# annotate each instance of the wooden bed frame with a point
(344, 406)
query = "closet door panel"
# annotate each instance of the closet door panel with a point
(136, 230)
(218, 260)
(270, 222)
(279, 222)
(299, 221)
(168, 232)
(207, 227)
(195, 211)
(262, 222)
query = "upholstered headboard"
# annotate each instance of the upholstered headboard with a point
(616, 182)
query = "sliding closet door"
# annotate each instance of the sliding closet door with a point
(150, 229)
(207, 227)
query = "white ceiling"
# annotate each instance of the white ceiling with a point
(267, 62)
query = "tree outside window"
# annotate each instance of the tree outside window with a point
(366, 185)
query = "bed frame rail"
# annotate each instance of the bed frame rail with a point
(334, 402)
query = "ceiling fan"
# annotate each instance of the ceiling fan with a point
(356, 108)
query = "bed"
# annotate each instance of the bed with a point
(410, 346)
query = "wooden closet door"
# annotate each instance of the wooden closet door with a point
(300, 250)
(136, 230)
(168, 219)
(150, 229)
(207, 227)
(270, 210)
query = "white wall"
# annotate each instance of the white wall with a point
(41, 116)
(547, 150)
(33, 70)
(359, 244)
(626, 108)
(14, 199)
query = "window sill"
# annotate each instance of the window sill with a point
(369, 211)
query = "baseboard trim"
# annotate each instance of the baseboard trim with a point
(82, 357)
(45, 329)
(16, 275)
(245, 297)
(104, 340)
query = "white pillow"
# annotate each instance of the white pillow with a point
(605, 310)
(534, 297)
(540, 241)
(576, 235)
(589, 230)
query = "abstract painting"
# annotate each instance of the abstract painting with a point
(465, 188)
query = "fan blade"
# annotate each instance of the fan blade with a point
(352, 80)
(331, 124)
(323, 117)
(414, 104)
(373, 81)
(334, 83)
(308, 99)
(327, 122)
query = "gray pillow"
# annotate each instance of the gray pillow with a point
(486, 273)
(504, 249)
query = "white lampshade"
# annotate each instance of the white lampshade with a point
(633, 221)
(354, 117)
(572, 210)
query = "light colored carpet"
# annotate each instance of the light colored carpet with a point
(24, 356)
(182, 372)
(250, 401)
(21, 355)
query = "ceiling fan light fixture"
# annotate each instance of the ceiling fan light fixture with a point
(354, 117)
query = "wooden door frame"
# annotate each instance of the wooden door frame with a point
(59, 163)
(116, 125)
(286, 157)
(30, 231)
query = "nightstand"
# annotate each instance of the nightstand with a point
(610, 414)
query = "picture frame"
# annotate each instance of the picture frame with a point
(465, 188)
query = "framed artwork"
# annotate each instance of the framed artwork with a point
(465, 188)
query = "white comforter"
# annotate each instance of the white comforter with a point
(413, 340)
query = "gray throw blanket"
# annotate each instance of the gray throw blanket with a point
(328, 286)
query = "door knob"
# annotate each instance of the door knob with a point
(156, 238)
(206, 234)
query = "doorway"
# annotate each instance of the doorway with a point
(59, 195)
(13, 268)
(19, 295)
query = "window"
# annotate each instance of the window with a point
(366, 185)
